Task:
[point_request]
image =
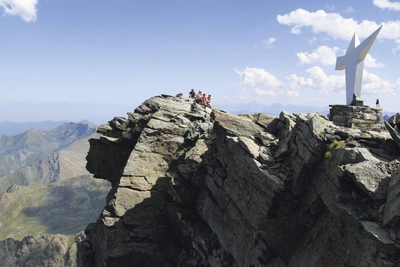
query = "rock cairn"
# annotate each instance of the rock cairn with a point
(356, 116)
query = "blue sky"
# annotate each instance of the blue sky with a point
(74, 60)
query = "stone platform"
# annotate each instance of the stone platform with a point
(356, 116)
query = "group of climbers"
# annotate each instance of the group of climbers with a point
(201, 98)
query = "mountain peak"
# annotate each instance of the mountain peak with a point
(201, 186)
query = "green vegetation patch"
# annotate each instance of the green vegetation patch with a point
(65, 207)
(337, 144)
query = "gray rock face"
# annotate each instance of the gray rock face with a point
(194, 186)
(369, 178)
(395, 135)
(46, 250)
(394, 121)
(391, 216)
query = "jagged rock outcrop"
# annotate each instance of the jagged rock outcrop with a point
(194, 186)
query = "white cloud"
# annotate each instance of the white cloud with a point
(243, 97)
(26, 9)
(383, 4)
(349, 10)
(312, 40)
(396, 86)
(323, 83)
(372, 62)
(296, 29)
(396, 49)
(323, 54)
(318, 80)
(337, 26)
(292, 93)
(268, 43)
(255, 77)
(315, 80)
(296, 82)
(330, 7)
(260, 92)
(372, 84)
(320, 21)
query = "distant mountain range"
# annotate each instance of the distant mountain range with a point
(59, 165)
(44, 184)
(26, 148)
(13, 128)
(275, 109)
(10, 128)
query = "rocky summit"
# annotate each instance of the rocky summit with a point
(195, 186)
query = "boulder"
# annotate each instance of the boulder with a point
(369, 178)
(235, 125)
(393, 133)
(394, 121)
(345, 156)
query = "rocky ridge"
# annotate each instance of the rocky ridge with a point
(194, 186)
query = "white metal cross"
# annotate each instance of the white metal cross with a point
(353, 63)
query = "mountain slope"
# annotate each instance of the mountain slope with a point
(65, 207)
(26, 148)
(10, 128)
(64, 164)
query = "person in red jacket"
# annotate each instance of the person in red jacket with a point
(204, 100)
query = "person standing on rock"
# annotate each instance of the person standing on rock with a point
(377, 103)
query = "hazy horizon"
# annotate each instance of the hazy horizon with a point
(100, 114)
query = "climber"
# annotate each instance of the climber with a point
(199, 97)
(204, 100)
(192, 94)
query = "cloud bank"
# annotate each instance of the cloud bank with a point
(26, 9)
(265, 84)
(336, 25)
(386, 4)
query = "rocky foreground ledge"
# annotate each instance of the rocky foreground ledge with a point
(194, 186)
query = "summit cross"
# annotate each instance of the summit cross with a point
(353, 63)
